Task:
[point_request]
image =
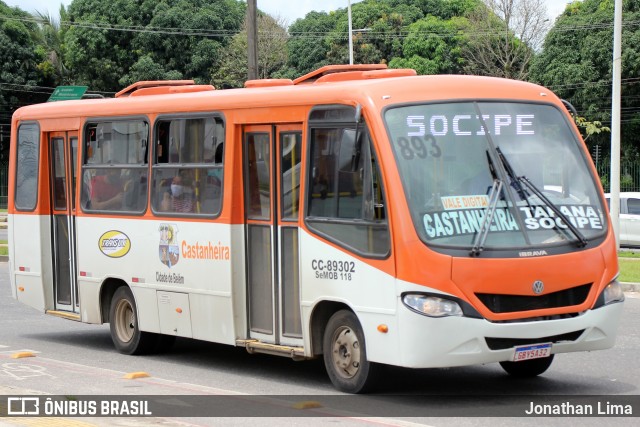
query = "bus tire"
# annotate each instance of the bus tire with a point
(527, 368)
(123, 323)
(345, 354)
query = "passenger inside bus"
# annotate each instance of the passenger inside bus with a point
(108, 190)
(180, 196)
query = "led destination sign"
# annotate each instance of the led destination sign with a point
(457, 222)
(470, 125)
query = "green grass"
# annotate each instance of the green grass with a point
(628, 254)
(4, 250)
(629, 270)
(629, 266)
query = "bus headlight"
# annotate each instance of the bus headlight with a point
(432, 306)
(613, 292)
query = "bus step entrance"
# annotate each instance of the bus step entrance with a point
(255, 346)
(64, 314)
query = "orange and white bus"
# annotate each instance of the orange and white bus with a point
(366, 215)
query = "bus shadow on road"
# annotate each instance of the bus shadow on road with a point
(470, 381)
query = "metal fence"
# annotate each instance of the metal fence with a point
(629, 175)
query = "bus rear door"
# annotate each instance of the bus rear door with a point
(272, 168)
(63, 164)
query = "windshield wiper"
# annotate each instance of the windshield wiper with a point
(512, 175)
(494, 197)
(481, 237)
(519, 180)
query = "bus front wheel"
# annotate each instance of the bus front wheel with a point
(527, 368)
(123, 323)
(345, 354)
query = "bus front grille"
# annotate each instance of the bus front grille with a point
(500, 303)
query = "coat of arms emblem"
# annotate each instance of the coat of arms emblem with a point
(168, 249)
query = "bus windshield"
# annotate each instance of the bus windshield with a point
(494, 175)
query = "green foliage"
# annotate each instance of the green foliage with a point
(590, 128)
(111, 44)
(431, 36)
(146, 69)
(192, 55)
(306, 47)
(51, 49)
(434, 46)
(19, 56)
(576, 63)
(232, 68)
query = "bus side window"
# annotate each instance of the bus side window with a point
(188, 167)
(115, 166)
(346, 198)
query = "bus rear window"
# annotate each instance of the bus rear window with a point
(27, 167)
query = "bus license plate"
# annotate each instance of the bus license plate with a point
(528, 352)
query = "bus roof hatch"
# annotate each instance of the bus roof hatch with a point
(332, 69)
(161, 87)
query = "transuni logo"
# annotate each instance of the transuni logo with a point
(114, 244)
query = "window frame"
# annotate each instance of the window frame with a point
(310, 221)
(298, 135)
(37, 174)
(155, 166)
(107, 166)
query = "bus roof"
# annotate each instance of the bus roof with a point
(379, 88)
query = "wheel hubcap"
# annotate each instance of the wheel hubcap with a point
(346, 352)
(125, 321)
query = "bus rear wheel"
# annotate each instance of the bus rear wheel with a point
(123, 323)
(527, 368)
(345, 354)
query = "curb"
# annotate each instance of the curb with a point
(630, 287)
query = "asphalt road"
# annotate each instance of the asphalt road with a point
(74, 359)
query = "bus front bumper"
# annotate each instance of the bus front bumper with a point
(426, 342)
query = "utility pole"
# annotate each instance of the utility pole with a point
(615, 121)
(350, 35)
(252, 39)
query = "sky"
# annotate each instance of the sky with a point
(290, 10)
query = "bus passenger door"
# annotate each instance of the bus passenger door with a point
(64, 149)
(272, 168)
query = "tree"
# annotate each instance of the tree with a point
(198, 30)
(504, 36)
(590, 128)
(112, 43)
(231, 70)
(18, 59)
(51, 48)
(434, 46)
(381, 35)
(378, 26)
(99, 40)
(576, 63)
(306, 46)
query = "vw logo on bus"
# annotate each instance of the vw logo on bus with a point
(538, 287)
(114, 244)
